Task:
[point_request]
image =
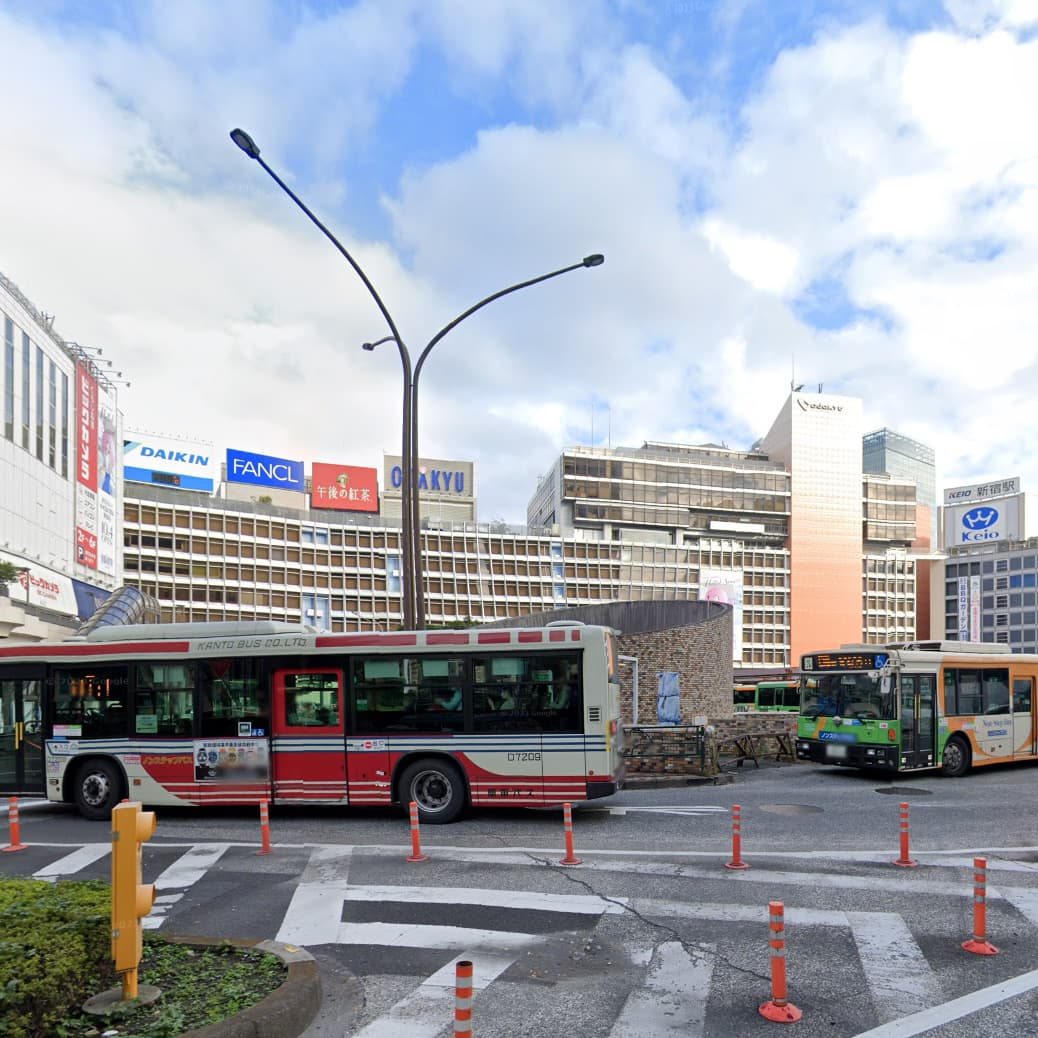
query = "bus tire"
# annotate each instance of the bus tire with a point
(438, 789)
(956, 759)
(97, 788)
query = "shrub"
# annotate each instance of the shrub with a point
(55, 943)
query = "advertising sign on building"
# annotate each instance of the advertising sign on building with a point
(167, 462)
(262, 470)
(982, 491)
(725, 586)
(346, 488)
(454, 479)
(980, 522)
(87, 450)
(42, 587)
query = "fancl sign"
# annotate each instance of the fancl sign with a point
(182, 464)
(261, 470)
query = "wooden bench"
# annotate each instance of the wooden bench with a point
(755, 746)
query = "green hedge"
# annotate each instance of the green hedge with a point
(55, 945)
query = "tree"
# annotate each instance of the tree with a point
(8, 573)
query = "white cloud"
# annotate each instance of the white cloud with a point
(905, 165)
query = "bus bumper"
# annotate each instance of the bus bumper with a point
(849, 755)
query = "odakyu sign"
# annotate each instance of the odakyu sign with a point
(262, 470)
(454, 479)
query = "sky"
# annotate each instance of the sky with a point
(837, 194)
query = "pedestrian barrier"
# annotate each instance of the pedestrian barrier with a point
(264, 827)
(463, 999)
(905, 861)
(15, 826)
(979, 944)
(778, 1009)
(567, 825)
(736, 862)
(416, 839)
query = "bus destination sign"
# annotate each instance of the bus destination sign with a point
(846, 661)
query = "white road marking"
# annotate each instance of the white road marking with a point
(71, 863)
(677, 809)
(898, 975)
(428, 1010)
(190, 867)
(420, 935)
(918, 1023)
(529, 900)
(672, 1002)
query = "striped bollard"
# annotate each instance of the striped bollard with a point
(980, 945)
(904, 861)
(779, 1009)
(567, 825)
(463, 999)
(736, 862)
(16, 827)
(264, 827)
(416, 839)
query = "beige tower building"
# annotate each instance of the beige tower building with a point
(817, 437)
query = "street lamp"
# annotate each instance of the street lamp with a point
(412, 590)
(408, 590)
(410, 463)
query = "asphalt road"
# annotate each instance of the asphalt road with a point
(651, 935)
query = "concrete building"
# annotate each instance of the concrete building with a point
(60, 485)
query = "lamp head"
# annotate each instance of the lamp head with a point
(246, 143)
(369, 346)
(596, 259)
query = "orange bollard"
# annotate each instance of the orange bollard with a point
(264, 827)
(567, 825)
(463, 999)
(736, 862)
(16, 827)
(779, 1010)
(416, 840)
(979, 945)
(905, 861)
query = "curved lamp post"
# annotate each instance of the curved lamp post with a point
(411, 463)
(413, 591)
(408, 590)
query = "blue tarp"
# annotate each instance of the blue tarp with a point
(668, 698)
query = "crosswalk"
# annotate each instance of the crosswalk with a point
(679, 936)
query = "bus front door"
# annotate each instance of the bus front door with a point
(21, 732)
(917, 720)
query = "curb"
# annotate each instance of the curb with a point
(648, 781)
(284, 1013)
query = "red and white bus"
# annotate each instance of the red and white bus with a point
(235, 713)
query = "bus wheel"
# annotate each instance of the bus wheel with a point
(436, 786)
(98, 788)
(956, 760)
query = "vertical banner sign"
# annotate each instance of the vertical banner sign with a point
(964, 609)
(109, 442)
(975, 635)
(725, 586)
(87, 446)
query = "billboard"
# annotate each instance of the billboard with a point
(262, 470)
(979, 522)
(345, 488)
(167, 462)
(87, 449)
(453, 479)
(725, 586)
(42, 587)
(982, 491)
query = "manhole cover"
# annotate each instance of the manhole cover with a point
(905, 791)
(790, 809)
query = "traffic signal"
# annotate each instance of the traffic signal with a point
(131, 899)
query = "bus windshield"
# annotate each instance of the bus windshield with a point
(863, 696)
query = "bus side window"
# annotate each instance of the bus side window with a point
(1022, 695)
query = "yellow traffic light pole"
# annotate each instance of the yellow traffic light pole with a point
(131, 899)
